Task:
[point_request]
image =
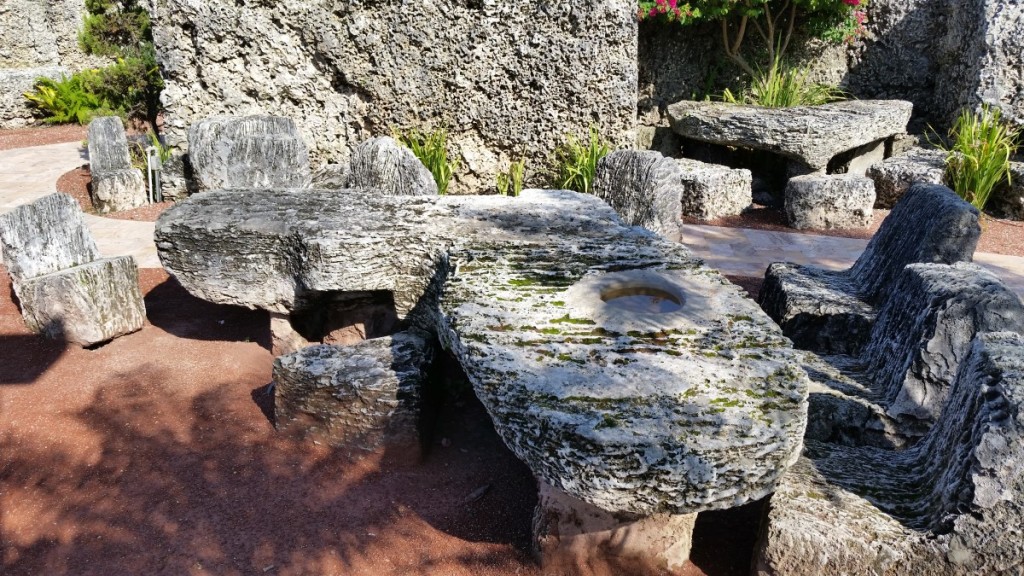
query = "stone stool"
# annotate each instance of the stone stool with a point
(823, 201)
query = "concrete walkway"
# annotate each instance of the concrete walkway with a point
(30, 173)
(27, 174)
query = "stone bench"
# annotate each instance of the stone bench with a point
(361, 396)
(894, 176)
(892, 392)
(832, 311)
(65, 289)
(811, 136)
(248, 152)
(819, 201)
(952, 504)
(116, 185)
(648, 189)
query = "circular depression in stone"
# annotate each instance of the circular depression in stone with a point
(641, 299)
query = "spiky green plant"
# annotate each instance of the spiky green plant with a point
(978, 158)
(784, 86)
(576, 161)
(511, 183)
(432, 150)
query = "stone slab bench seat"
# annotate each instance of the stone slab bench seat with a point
(361, 396)
(833, 311)
(810, 135)
(951, 504)
(116, 185)
(63, 286)
(248, 152)
(894, 389)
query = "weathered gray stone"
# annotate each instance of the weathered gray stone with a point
(333, 176)
(712, 191)
(508, 81)
(903, 374)
(64, 289)
(643, 187)
(14, 83)
(690, 401)
(1007, 200)
(894, 176)
(116, 185)
(248, 152)
(387, 167)
(828, 311)
(573, 537)
(45, 236)
(363, 396)
(951, 504)
(836, 201)
(811, 134)
(88, 304)
(34, 34)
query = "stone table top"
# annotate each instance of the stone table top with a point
(687, 403)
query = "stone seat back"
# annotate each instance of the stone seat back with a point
(951, 504)
(46, 236)
(248, 152)
(921, 336)
(833, 311)
(929, 224)
(108, 145)
(643, 187)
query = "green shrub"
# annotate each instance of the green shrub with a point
(70, 99)
(784, 86)
(576, 161)
(978, 157)
(511, 183)
(432, 150)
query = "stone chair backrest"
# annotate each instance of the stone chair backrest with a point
(45, 236)
(924, 331)
(930, 223)
(263, 152)
(108, 145)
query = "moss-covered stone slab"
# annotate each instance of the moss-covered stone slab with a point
(677, 395)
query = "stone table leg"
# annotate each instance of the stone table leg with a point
(285, 339)
(572, 536)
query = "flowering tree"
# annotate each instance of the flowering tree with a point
(773, 20)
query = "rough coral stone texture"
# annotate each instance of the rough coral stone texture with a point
(14, 83)
(508, 80)
(384, 165)
(829, 311)
(810, 134)
(116, 185)
(644, 189)
(818, 201)
(713, 191)
(893, 177)
(892, 391)
(248, 152)
(86, 304)
(951, 504)
(692, 400)
(45, 236)
(364, 396)
(1007, 200)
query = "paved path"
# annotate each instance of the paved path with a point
(30, 173)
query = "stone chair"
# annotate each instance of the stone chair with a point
(387, 167)
(893, 391)
(116, 185)
(951, 504)
(262, 152)
(65, 289)
(833, 311)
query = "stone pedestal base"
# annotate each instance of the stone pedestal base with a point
(284, 338)
(574, 537)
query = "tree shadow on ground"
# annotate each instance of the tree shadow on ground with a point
(177, 484)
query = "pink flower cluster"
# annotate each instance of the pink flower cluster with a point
(667, 8)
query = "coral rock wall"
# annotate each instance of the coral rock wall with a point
(506, 78)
